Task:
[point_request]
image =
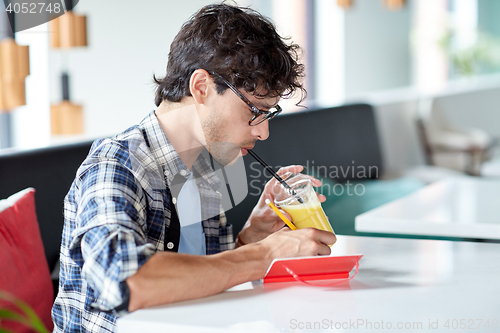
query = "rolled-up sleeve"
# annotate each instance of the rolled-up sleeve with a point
(109, 243)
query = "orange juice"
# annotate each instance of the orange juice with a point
(302, 203)
(308, 215)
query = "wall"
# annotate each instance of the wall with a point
(31, 122)
(112, 77)
(377, 50)
(395, 116)
(362, 49)
(330, 56)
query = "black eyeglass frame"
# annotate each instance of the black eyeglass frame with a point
(268, 115)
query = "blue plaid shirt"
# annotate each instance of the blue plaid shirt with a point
(117, 214)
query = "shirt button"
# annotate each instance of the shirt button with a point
(170, 245)
(166, 172)
(183, 172)
(174, 200)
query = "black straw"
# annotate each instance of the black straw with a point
(275, 175)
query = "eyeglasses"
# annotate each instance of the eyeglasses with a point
(258, 115)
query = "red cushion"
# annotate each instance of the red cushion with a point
(24, 269)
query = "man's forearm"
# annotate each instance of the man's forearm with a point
(172, 277)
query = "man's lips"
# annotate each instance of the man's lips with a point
(244, 150)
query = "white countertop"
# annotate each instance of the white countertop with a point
(401, 282)
(457, 207)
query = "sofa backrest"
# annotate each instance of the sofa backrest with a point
(50, 171)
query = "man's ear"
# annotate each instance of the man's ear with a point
(199, 85)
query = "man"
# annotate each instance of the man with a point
(130, 239)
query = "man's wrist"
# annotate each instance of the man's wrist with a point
(249, 234)
(239, 242)
(243, 237)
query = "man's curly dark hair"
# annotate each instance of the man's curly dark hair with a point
(237, 43)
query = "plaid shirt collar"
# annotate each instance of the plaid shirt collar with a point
(170, 161)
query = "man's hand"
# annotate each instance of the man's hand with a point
(263, 221)
(298, 243)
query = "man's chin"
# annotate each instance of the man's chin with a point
(226, 153)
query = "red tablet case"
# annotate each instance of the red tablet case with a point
(311, 268)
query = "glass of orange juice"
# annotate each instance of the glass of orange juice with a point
(303, 205)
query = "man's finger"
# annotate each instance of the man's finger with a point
(286, 214)
(316, 182)
(277, 218)
(324, 250)
(326, 237)
(290, 168)
(295, 169)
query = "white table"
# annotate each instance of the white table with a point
(463, 207)
(405, 282)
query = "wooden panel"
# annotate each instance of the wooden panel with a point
(9, 59)
(14, 94)
(66, 118)
(14, 67)
(344, 3)
(66, 30)
(394, 4)
(23, 54)
(55, 32)
(55, 127)
(69, 30)
(80, 30)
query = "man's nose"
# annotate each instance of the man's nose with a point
(261, 131)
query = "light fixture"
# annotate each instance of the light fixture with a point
(394, 4)
(69, 30)
(346, 4)
(14, 67)
(66, 118)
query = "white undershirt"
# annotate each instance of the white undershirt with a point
(192, 238)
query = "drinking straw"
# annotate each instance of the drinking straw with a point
(280, 214)
(275, 175)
